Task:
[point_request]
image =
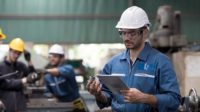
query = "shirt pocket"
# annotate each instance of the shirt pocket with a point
(144, 81)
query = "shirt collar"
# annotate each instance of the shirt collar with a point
(145, 52)
(8, 63)
(142, 56)
(125, 55)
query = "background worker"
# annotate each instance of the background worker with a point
(11, 88)
(148, 73)
(60, 79)
(2, 36)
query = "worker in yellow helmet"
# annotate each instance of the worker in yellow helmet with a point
(11, 88)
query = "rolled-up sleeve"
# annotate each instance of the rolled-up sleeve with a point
(108, 103)
(66, 71)
(168, 97)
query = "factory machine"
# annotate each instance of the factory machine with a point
(167, 38)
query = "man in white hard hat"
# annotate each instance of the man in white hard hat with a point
(148, 73)
(60, 79)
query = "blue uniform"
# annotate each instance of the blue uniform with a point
(151, 73)
(64, 86)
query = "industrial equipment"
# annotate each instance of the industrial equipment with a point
(166, 35)
(190, 103)
(38, 103)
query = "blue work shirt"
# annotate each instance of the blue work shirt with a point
(64, 86)
(151, 73)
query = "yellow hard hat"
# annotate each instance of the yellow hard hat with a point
(17, 44)
(2, 36)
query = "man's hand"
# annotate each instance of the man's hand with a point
(134, 95)
(2, 107)
(94, 87)
(31, 78)
(27, 56)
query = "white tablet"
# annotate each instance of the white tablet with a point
(113, 82)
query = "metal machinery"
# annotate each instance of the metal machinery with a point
(190, 103)
(39, 103)
(166, 35)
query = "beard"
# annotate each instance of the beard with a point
(54, 64)
(134, 45)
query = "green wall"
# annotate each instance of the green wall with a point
(61, 21)
(83, 21)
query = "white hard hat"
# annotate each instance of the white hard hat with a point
(133, 18)
(56, 49)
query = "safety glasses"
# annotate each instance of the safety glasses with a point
(130, 33)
